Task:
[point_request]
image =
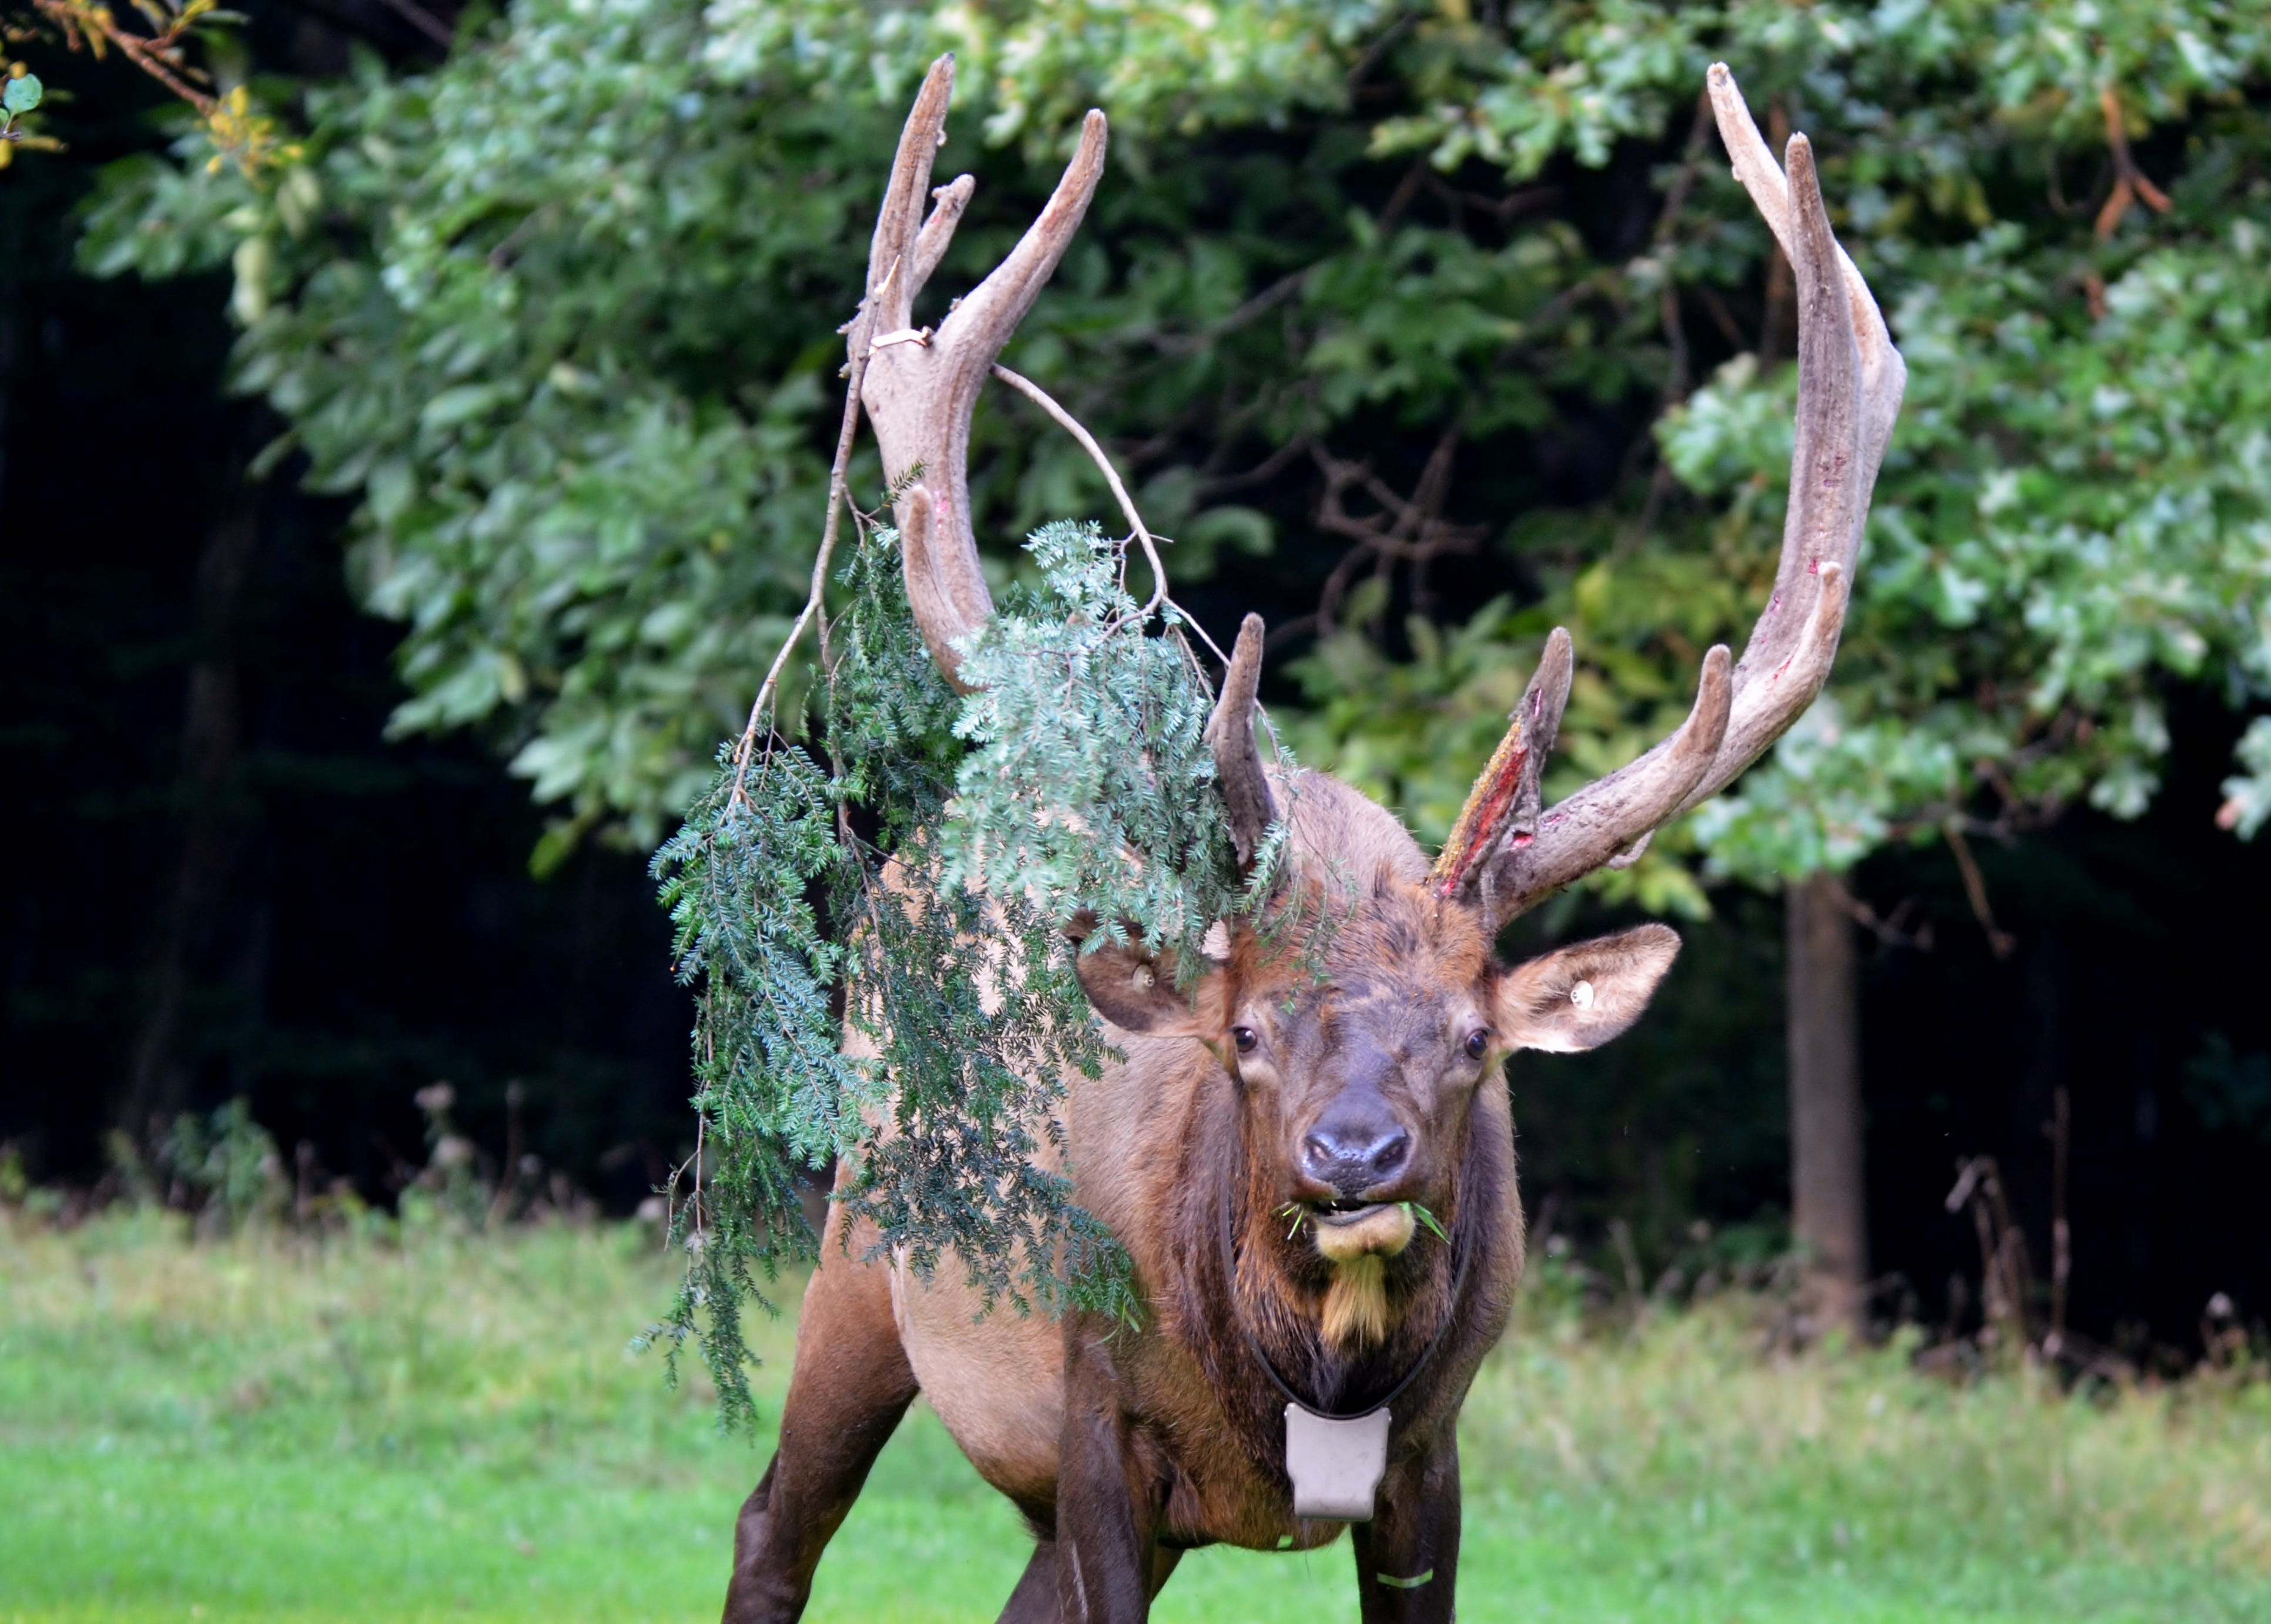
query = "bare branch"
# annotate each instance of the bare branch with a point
(1409, 530)
(2131, 184)
(838, 499)
(98, 28)
(1073, 426)
(2001, 942)
(1252, 310)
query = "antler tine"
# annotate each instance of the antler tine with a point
(1883, 374)
(1851, 378)
(895, 271)
(992, 310)
(1612, 814)
(1544, 698)
(1820, 525)
(920, 387)
(947, 204)
(1237, 757)
(1504, 803)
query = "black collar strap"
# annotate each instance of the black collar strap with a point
(1230, 1285)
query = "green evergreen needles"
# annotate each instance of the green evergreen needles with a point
(1091, 781)
(873, 922)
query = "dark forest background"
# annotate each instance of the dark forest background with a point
(225, 881)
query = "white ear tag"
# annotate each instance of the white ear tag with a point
(1336, 1466)
(1582, 994)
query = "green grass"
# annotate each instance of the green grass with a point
(447, 1430)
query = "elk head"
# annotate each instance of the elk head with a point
(1358, 1037)
(1357, 1023)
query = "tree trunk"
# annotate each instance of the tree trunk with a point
(199, 906)
(1829, 1220)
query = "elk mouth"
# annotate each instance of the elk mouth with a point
(1346, 1210)
(1351, 1227)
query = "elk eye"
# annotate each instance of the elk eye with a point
(1477, 1043)
(1243, 1037)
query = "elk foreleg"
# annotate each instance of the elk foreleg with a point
(1407, 1557)
(850, 1385)
(1037, 1599)
(1107, 1504)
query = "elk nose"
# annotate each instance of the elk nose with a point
(1352, 1157)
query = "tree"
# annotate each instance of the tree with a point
(2076, 515)
(190, 58)
(544, 308)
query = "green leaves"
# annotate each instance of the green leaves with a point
(771, 1085)
(559, 311)
(559, 318)
(1425, 1219)
(21, 95)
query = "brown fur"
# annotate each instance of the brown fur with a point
(1125, 1448)
(1356, 1304)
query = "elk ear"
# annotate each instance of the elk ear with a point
(1579, 998)
(1135, 989)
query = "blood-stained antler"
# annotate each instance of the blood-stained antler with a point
(1505, 853)
(920, 387)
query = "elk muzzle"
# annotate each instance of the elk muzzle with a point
(1352, 1161)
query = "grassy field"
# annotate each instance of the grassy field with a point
(436, 1428)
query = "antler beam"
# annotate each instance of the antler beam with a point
(920, 387)
(1849, 382)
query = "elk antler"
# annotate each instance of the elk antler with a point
(1237, 757)
(1849, 379)
(920, 387)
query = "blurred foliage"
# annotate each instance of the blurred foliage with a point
(208, 81)
(228, 1165)
(2232, 1091)
(559, 310)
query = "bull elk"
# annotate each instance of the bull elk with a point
(1290, 1377)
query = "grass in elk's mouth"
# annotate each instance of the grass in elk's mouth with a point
(1296, 1213)
(1425, 1219)
(1300, 1212)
